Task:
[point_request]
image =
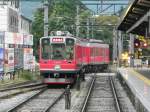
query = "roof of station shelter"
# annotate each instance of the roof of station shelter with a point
(135, 19)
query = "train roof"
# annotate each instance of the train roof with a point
(98, 45)
(95, 41)
(84, 42)
(59, 37)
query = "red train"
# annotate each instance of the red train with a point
(64, 57)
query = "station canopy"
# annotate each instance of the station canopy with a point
(135, 19)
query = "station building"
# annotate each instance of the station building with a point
(135, 23)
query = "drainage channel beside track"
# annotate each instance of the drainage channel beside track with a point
(42, 101)
(101, 96)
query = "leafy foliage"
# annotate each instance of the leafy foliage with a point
(62, 16)
(107, 20)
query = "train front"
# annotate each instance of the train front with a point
(57, 59)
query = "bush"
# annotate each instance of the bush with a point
(27, 75)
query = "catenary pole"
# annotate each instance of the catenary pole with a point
(45, 18)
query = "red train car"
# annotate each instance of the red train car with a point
(63, 57)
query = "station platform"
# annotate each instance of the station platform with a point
(139, 85)
(105, 74)
(144, 71)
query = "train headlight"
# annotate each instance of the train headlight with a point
(57, 67)
(56, 75)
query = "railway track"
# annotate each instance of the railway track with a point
(101, 96)
(42, 101)
(21, 85)
(16, 91)
(20, 88)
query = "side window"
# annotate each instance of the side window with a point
(45, 48)
(70, 48)
(69, 42)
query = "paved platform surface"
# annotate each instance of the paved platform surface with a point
(105, 74)
(144, 71)
(139, 85)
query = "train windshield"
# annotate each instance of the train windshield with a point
(58, 51)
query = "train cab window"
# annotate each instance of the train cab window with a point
(69, 42)
(46, 48)
(69, 49)
(58, 51)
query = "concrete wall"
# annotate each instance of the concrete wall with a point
(13, 21)
(13, 3)
(3, 18)
(9, 19)
(25, 25)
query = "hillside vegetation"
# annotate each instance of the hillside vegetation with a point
(62, 16)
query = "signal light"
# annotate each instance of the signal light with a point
(136, 43)
(125, 56)
(145, 45)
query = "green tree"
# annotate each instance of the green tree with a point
(106, 24)
(107, 20)
(62, 14)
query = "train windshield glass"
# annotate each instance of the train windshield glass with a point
(58, 51)
(46, 48)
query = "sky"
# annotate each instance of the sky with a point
(28, 7)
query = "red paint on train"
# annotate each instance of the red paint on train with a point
(62, 58)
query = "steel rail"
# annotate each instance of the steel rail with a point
(28, 99)
(21, 86)
(8, 85)
(54, 102)
(118, 107)
(24, 90)
(88, 95)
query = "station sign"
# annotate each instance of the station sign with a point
(9, 60)
(18, 38)
(28, 39)
(9, 38)
(57, 40)
(13, 38)
(28, 58)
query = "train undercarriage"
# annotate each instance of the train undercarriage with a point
(70, 77)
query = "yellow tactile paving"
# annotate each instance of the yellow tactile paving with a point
(140, 76)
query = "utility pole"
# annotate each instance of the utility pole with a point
(77, 21)
(115, 44)
(88, 28)
(131, 50)
(101, 5)
(92, 28)
(45, 18)
(120, 46)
